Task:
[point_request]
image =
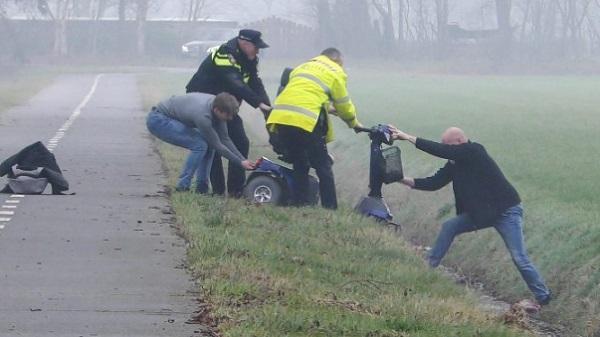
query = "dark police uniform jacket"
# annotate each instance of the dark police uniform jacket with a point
(227, 69)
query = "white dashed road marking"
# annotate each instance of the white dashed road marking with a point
(13, 200)
(53, 142)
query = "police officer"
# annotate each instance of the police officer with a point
(233, 68)
(300, 117)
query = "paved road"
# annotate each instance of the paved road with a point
(103, 262)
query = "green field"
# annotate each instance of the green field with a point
(543, 132)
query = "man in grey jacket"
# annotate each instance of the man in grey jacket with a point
(197, 122)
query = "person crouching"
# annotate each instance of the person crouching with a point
(197, 122)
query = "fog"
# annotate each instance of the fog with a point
(495, 35)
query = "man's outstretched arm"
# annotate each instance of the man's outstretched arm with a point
(433, 183)
(445, 151)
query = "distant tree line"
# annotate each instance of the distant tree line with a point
(530, 30)
(524, 29)
(60, 11)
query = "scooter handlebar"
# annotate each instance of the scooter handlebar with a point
(380, 132)
(363, 129)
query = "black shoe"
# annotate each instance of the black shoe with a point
(546, 300)
(202, 188)
(182, 189)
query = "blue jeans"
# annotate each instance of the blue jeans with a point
(201, 155)
(510, 227)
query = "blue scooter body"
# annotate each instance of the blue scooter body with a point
(268, 167)
(283, 177)
(374, 205)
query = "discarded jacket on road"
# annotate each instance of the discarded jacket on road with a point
(30, 170)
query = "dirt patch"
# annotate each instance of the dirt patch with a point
(515, 314)
(203, 317)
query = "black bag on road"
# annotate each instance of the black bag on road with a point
(28, 169)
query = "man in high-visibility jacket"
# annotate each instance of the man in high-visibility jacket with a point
(300, 117)
(233, 68)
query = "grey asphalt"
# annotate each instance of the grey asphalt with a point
(105, 261)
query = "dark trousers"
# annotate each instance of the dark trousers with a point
(236, 176)
(308, 150)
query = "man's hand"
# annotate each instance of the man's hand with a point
(357, 127)
(248, 165)
(410, 182)
(401, 135)
(264, 107)
(331, 109)
(392, 128)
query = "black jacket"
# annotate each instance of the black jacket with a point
(30, 158)
(480, 188)
(229, 70)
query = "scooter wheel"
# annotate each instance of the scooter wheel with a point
(264, 190)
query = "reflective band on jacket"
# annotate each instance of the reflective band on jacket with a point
(342, 100)
(297, 109)
(224, 60)
(317, 81)
(325, 64)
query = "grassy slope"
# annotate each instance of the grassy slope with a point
(297, 272)
(543, 133)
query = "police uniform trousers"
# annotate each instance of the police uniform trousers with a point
(306, 150)
(236, 175)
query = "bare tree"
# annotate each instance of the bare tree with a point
(141, 16)
(122, 10)
(503, 15)
(386, 14)
(441, 8)
(401, 20)
(325, 36)
(62, 11)
(195, 9)
(572, 14)
(8, 30)
(100, 8)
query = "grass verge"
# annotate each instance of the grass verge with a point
(19, 84)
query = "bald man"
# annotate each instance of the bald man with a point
(484, 198)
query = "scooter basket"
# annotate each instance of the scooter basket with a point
(393, 164)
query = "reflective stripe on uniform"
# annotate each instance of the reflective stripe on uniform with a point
(297, 109)
(223, 60)
(342, 100)
(325, 64)
(316, 80)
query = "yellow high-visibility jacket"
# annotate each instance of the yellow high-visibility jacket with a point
(313, 85)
